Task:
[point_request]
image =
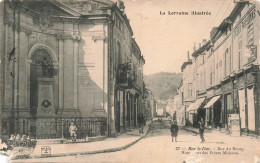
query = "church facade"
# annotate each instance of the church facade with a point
(60, 62)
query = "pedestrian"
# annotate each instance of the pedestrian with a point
(140, 120)
(201, 129)
(174, 130)
(73, 129)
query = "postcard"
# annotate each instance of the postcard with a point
(130, 81)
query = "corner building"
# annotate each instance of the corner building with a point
(59, 62)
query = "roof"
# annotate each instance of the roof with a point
(201, 49)
(225, 23)
(237, 9)
(137, 50)
(185, 64)
(115, 7)
(217, 31)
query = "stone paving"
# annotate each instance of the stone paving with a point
(121, 142)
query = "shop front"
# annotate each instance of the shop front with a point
(213, 110)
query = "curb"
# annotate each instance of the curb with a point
(91, 152)
(191, 130)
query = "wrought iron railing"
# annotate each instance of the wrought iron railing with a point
(125, 75)
(51, 128)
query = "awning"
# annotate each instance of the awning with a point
(190, 107)
(212, 101)
(198, 103)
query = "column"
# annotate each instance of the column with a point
(257, 113)
(61, 95)
(68, 69)
(16, 70)
(130, 109)
(22, 70)
(136, 105)
(124, 107)
(76, 50)
(4, 65)
(246, 99)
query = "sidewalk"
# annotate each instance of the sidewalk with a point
(121, 142)
(212, 131)
(196, 130)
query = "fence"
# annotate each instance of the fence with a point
(51, 128)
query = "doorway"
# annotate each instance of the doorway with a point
(40, 67)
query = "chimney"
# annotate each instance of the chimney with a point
(194, 47)
(204, 41)
(188, 54)
(121, 5)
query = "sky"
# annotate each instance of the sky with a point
(165, 39)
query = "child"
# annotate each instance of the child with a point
(73, 129)
(174, 130)
(201, 130)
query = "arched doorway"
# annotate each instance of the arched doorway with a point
(41, 67)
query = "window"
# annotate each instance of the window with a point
(250, 34)
(216, 72)
(212, 74)
(118, 53)
(194, 73)
(204, 79)
(250, 41)
(190, 89)
(211, 78)
(228, 106)
(201, 79)
(182, 98)
(227, 66)
(240, 53)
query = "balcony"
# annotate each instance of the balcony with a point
(125, 76)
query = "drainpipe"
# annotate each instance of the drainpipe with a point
(3, 69)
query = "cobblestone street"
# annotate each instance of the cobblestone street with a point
(157, 147)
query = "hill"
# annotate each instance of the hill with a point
(163, 84)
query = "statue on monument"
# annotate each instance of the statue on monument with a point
(47, 69)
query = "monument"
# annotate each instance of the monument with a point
(45, 98)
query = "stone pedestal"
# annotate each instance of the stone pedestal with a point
(45, 98)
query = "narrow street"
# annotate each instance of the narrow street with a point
(157, 147)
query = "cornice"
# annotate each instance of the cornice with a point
(46, 21)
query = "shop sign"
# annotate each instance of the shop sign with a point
(234, 124)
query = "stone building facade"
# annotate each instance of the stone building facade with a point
(150, 104)
(227, 72)
(60, 61)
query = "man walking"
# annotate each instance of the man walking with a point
(174, 130)
(140, 120)
(201, 129)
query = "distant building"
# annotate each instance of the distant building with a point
(178, 107)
